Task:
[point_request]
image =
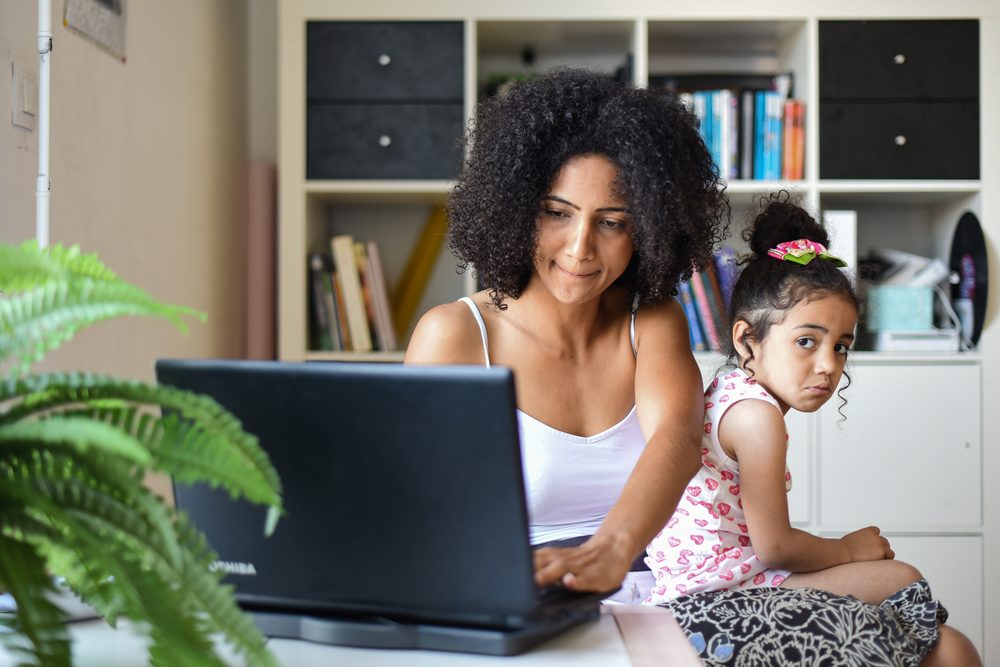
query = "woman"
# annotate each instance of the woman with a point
(580, 207)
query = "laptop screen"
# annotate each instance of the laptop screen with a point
(402, 485)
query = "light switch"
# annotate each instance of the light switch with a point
(24, 95)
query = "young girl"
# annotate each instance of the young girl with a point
(792, 320)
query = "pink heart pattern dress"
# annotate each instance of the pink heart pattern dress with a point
(705, 545)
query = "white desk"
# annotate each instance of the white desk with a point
(622, 637)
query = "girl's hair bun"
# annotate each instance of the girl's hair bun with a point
(782, 219)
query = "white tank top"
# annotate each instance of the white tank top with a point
(572, 481)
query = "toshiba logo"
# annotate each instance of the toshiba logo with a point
(234, 567)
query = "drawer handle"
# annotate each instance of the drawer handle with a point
(899, 59)
(384, 59)
(900, 140)
(384, 141)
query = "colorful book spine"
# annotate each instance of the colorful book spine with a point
(704, 311)
(345, 260)
(746, 134)
(691, 313)
(364, 274)
(719, 307)
(320, 315)
(383, 309)
(406, 296)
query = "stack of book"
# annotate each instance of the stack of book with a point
(350, 305)
(751, 127)
(705, 299)
(352, 308)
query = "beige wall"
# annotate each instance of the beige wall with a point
(147, 166)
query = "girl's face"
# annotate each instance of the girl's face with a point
(584, 231)
(800, 361)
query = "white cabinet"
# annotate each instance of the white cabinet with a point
(953, 566)
(908, 456)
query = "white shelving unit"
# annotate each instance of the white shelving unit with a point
(669, 36)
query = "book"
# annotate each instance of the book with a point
(364, 276)
(413, 280)
(383, 309)
(341, 313)
(336, 335)
(691, 313)
(719, 306)
(704, 311)
(746, 134)
(342, 247)
(793, 151)
(319, 312)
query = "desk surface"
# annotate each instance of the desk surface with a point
(624, 636)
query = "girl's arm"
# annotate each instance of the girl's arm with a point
(670, 406)
(754, 432)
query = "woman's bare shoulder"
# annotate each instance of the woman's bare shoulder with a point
(446, 334)
(662, 321)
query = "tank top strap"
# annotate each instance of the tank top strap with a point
(482, 326)
(631, 325)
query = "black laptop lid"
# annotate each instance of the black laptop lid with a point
(403, 488)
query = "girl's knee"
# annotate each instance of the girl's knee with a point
(903, 574)
(953, 648)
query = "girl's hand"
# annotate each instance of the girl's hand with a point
(867, 544)
(595, 565)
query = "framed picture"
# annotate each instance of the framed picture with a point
(101, 20)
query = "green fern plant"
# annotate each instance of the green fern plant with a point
(74, 450)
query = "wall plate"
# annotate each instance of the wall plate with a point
(23, 95)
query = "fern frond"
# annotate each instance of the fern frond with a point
(150, 598)
(40, 319)
(37, 619)
(204, 442)
(93, 486)
(27, 265)
(77, 432)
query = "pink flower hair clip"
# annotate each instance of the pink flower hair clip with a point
(803, 251)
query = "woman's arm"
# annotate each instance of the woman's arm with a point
(755, 432)
(670, 405)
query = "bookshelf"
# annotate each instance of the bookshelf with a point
(639, 40)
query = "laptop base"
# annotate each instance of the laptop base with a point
(381, 632)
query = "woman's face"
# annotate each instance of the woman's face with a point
(584, 231)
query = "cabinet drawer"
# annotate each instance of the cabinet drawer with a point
(899, 59)
(926, 140)
(384, 61)
(383, 140)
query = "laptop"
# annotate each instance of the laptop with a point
(406, 520)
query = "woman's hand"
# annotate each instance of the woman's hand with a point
(596, 565)
(867, 544)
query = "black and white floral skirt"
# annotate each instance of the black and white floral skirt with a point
(804, 626)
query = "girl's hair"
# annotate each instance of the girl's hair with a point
(519, 141)
(767, 287)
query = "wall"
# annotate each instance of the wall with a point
(147, 161)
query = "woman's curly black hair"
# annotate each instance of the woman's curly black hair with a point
(518, 142)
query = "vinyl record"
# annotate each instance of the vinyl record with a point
(968, 261)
